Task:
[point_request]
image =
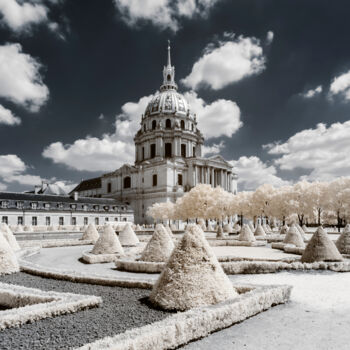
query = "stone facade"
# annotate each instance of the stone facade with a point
(168, 156)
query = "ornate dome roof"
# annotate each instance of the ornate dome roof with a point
(168, 101)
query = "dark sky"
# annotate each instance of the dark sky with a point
(104, 63)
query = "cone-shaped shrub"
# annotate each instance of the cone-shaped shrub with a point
(138, 227)
(246, 234)
(343, 242)
(108, 243)
(159, 247)
(293, 236)
(210, 227)
(346, 228)
(90, 233)
(321, 248)
(227, 228)
(284, 229)
(219, 232)
(259, 231)
(301, 231)
(168, 230)
(251, 226)
(201, 223)
(128, 237)
(192, 276)
(8, 259)
(237, 227)
(266, 229)
(10, 237)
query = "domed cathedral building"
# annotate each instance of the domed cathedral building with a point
(168, 156)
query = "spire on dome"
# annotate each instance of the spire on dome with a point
(169, 58)
(168, 74)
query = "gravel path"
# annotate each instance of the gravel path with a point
(122, 309)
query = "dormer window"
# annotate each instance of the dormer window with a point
(34, 205)
(96, 207)
(4, 204)
(19, 205)
(73, 206)
(47, 205)
(60, 205)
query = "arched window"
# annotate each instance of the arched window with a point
(144, 127)
(182, 124)
(169, 77)
(168, 124)
(183, 150)
(153, 150)
(127, 182)
(154, 180)
(192, 128)
(109, 187)
(154, 125)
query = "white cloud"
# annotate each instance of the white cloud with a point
(269, 37)
(162, 13)
(312, 92)
(108, 152)
(20, 79)
(3, 187)
(7, 117)
(20, 15)
(227, 63)
(341, 86)
(220, 118)
(215, 148)
(252, 173)
(323, 152)
(12, 169)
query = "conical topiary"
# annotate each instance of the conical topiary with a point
(346, 228)
(168, 230)
(219, 232)
(251, 226)
(343, 242)
(266, 229)
(284, 229)
(8, 259)
(301, 231)
(305, 229)
(293, 236)
(237, 227)
(192, 276)
(321, 248)
(210, 227)
(90, 233)
(201, 223)
(138, 227)
(159, 247)
(10, 237)
(108, 242)
(127, 236)
(227, 228)
(246, 234)
(259, 231)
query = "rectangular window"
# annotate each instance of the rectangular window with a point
(19, 220)
(194, 152)
(179, 179)
(61, 220)
(47, 221)
(74, 221)
(154, 180)
(5, 219)
(168, 150)
(183, 150)
(124, 219)
(109, 187)
(97, 221)
(86, 221)
(153, 150)
(34, 221)
(115, 219)
(106, 219)
(143, 153)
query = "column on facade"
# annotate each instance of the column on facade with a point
(212, 177)
(202, 174)
(195, 175)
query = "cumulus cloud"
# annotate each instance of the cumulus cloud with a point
(219, 118)
(12, 169)
(3, 186)
(108, 152)
(322, 151)
(312, 92)
(21, 15)
(215, 148)
(162, 13)
(252, 173)
(226, 62)
(20, 79)
(341, 86)
(7, 117)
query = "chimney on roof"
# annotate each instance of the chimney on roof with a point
(76, 195)
(37, 189)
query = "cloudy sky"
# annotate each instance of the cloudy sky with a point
(269, 81)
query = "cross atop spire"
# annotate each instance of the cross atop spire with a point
(169, 59)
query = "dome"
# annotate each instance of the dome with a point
(168, 101)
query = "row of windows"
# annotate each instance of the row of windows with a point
(34, 205)
(61, 222)
(168, 125)
(168, 151)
